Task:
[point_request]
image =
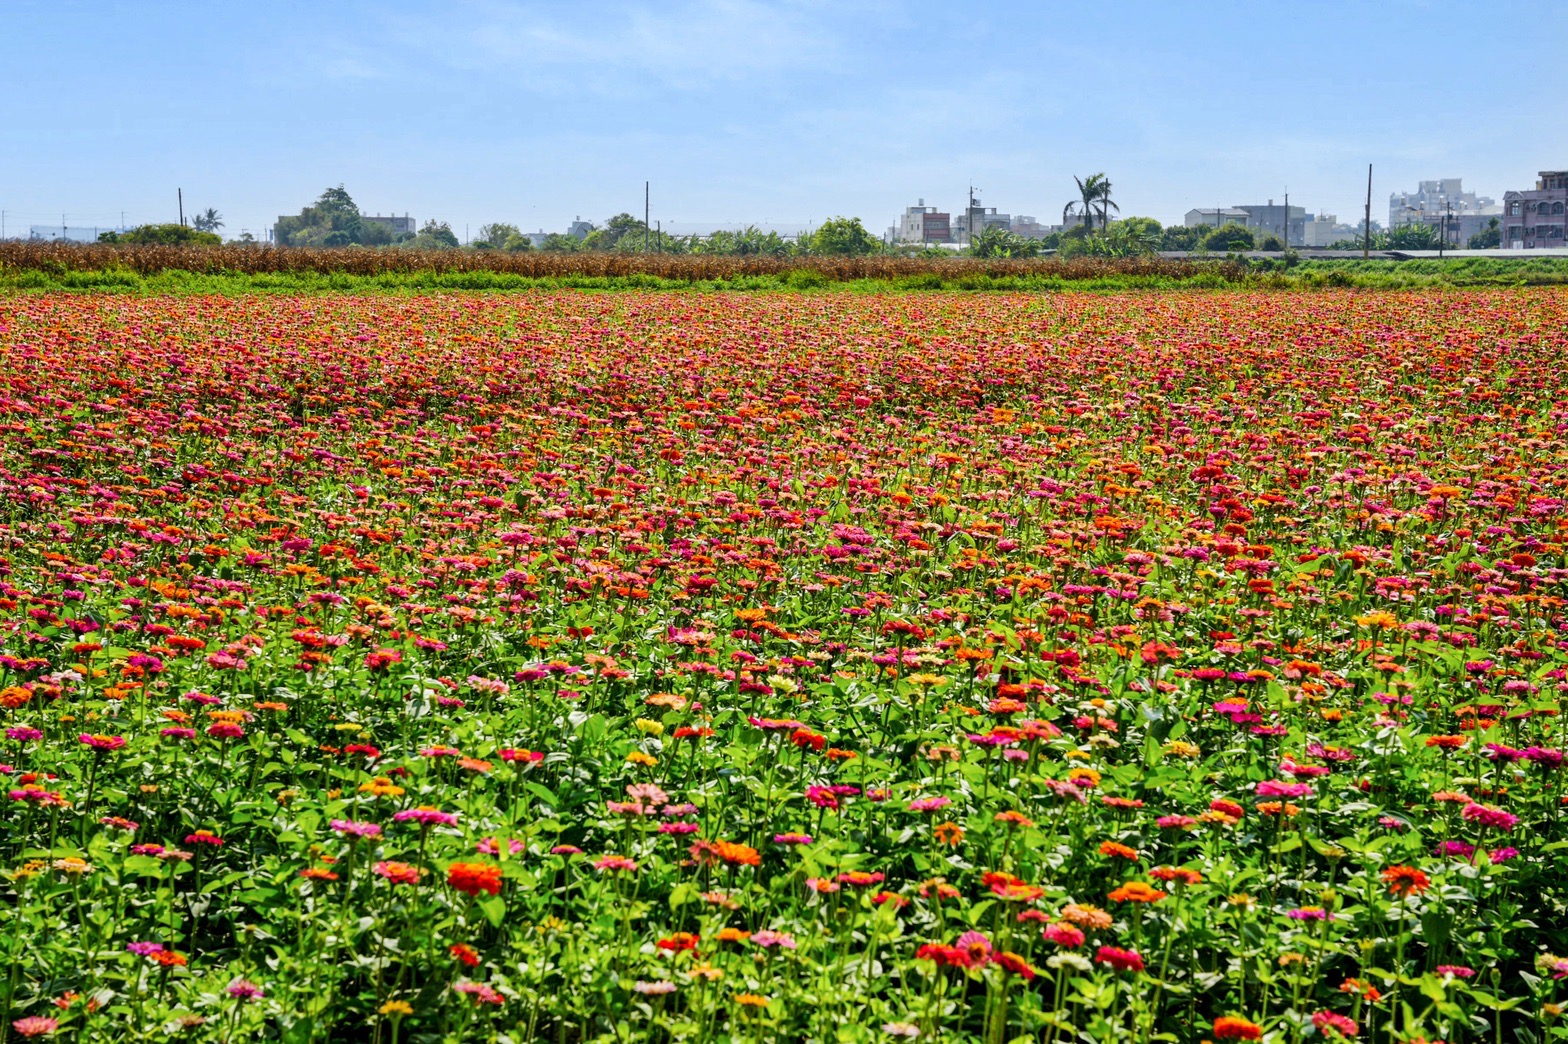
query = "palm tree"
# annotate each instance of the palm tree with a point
(1101, 186)
(1089, 193)
(208, 220)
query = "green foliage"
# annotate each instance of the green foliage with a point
(1094, 200)
(1145, 227)
(1182, 237)
(1000, 242)
(433, 235)
(561, 243)
(1134, 237)
(749, 242)
(843, 237)
(333, 220)
(1418, 236)
(1489, 238)
(208, 220)
(1228, 237)
(495, 235)
(164, 235)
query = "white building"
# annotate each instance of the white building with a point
(984, 218)
(1031, 228)
(1214, 217)
(1437, 198)
(923, 224)
(1444, 204)
(1324, 230)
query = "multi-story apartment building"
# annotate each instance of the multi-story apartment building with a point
(1215, 217)
(984, 218)
(1265, 219)
(1446, 206)
(923, 224)
(1534, 218)
(1031, 228)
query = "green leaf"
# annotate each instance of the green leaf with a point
(494, 909)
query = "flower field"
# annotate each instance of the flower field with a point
(656, 667)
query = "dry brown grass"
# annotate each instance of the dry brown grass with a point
(147, 260)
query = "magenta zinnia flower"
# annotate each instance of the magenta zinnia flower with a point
(426, 816)
(98, 742)
(353, 828)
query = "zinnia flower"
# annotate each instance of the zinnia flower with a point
(1121, 960)
(1229, 1027)
(473, 878)
(1405, 880)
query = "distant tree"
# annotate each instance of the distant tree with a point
(1143, 226)
(495, 235)
(844, 237)
(1182, 237)
(434, 235)
(1094, 199)
(1131, 238)
(1416, 236)
(750, 241)
(561, 243)
(246, 239)
(1228, 237)
(376, 233)
(516, 243)
(996, 241)
(333, 220)
(168, 235)
(208, 220)
(1270, 242)
(1489, 238)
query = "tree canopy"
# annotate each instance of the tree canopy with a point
(333, 220)
(170, 234)
(845, 237)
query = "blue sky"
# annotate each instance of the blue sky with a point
(478, 110)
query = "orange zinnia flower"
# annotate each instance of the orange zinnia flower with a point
(1405, 880)
(473, 878)
(1137, 892)
(1111, 848)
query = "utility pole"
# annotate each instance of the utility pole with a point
(1366, 228)
(1285, 239)
(182, 206)
(645, 217)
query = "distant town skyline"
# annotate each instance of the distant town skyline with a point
(739, 112)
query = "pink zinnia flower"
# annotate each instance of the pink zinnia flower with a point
(426, 816)
(102, 742)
